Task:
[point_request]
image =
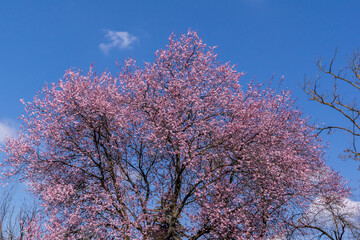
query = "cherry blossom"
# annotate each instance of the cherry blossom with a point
(180, 148)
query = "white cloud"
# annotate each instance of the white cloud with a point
(120, 40)
(331, 215)
(322, 213)
(7, 129)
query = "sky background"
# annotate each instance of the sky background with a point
(266, 39)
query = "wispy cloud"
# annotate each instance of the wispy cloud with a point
(120, 40)
(7, 129)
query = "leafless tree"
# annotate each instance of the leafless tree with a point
(13, 220)
(328, 218)
(342, 98)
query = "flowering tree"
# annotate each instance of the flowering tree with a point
(173, 150)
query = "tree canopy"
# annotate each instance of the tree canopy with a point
(176, 149)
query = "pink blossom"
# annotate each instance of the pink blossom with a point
(177, 149)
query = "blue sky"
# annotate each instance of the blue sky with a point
(39, 40)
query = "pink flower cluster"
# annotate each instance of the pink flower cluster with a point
(177, 149)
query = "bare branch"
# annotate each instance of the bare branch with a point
(339, 102)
